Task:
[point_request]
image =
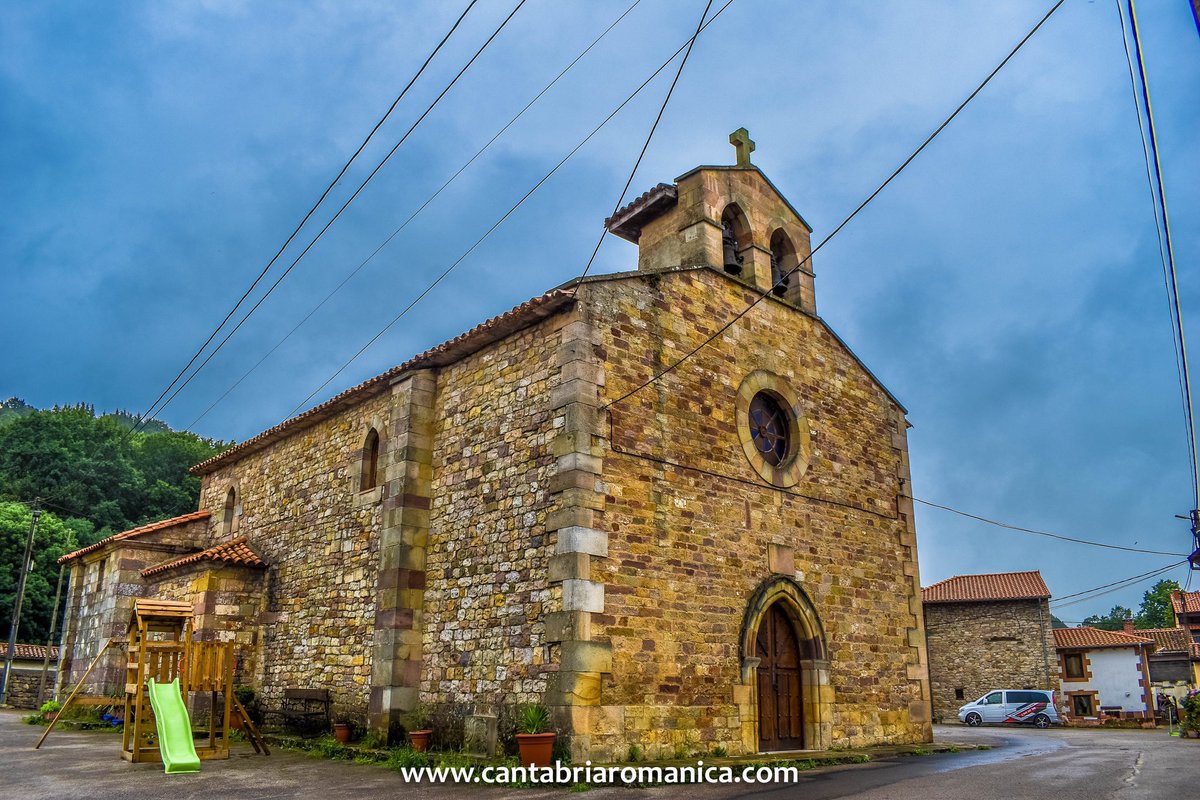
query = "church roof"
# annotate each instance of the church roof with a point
(236, 552)
(135, 532)
(983, 588)
(1095, 638)
(493, 330)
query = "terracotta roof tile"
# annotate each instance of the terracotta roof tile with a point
(627, 222)
(1169, 640)
(29, 652)
(1093, 638)
(1186, 602)
(448, 352)
(982, 588)
(232, 552)
(130, 534)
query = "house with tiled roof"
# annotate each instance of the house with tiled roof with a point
(985, 632)
(1174, 662)
(1104, 674)
(1186, 607)
(539, 510)
(26, 687)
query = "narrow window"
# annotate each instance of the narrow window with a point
(1073, 662)
(735, 237)
(783, 262)
(100, 574)
(960, 694)
(227, 520)
(370, 461)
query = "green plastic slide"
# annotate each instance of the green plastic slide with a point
(174, 728)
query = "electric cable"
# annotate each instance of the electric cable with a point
(307, 216)
(785, 277)
(419, 209)
(344, 206)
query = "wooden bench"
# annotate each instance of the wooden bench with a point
(305, 709)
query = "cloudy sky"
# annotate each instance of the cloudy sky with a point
(1006, 287)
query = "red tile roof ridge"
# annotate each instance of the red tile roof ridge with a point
(235, 551)
(28, 651)
(1027, 585)
(1091, 638)
(182, 519)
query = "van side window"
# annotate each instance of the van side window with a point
(995, 698)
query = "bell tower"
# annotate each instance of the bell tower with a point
(730, 218)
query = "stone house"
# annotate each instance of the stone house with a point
(26, 675)
(987, 632)
(724, 556)
(1104, 671)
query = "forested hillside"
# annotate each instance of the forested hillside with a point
(95, 477)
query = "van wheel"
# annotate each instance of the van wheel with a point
(974, 720)
(1041, 721)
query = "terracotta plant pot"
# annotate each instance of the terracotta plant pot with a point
(536, 748)
(50, 716)
(419, 740)
(341, 732)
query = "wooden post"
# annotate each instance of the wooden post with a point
(78, 686)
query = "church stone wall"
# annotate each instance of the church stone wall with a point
(486, 588)
(977, 647)
(689, 544)
(299, 505)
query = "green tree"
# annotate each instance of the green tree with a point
(1156, 609)
(1114, 620)
(54, 538)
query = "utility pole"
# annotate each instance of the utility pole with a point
(62, 568)
(16, 617)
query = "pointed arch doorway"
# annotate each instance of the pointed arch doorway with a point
(785, 669)
(780, 699)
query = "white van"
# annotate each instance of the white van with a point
(1013, 707)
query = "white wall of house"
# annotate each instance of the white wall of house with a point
(1115, 675)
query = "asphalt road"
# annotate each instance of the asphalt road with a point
(1055, 764)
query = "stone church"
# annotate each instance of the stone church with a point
(725, 557)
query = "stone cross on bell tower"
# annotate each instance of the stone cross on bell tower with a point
(741, 141)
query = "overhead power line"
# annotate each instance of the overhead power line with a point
(345, 205)
(418, 210)
(1047, 534)
(499, 222)
(1108, 588)
(1162, 250)
(308, 215)
(785, 277)
(1166, 228)
(645, 145)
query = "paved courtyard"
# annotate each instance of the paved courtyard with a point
(1058, 764)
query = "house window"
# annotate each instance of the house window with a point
(1081, 705)
(960, 694)
(1073, 665)
(370, 461)
(228, 519)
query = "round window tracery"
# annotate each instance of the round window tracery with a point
(769, 428)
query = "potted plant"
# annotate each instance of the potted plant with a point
(341, 731)
(418, 729)
(534, 739)
(1189, 719)
(50, 709)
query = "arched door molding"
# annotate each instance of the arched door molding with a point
(816, 691)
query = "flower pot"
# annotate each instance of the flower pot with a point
(50, 716)
(536, 748)
(235, 720)
(419, 740)
(341, 732)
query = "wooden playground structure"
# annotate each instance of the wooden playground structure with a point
(160, 646)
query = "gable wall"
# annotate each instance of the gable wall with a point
(687, 548)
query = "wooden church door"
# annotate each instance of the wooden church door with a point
(780, 708)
